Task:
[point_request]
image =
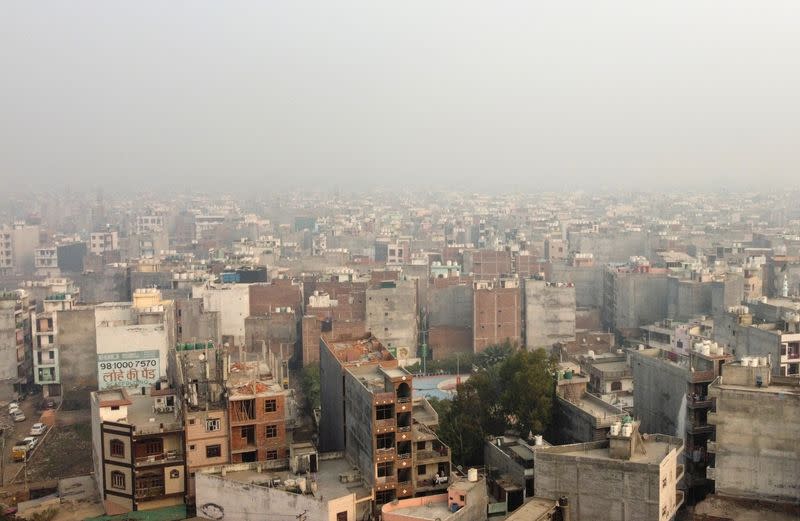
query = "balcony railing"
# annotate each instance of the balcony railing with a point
(405, 428)
(383, 398)
(149, 492)
(404, 455)
(425, 455)
(701, 376)
(698, 427)
(169, 456)
(385, 424)
(157, 428)
(699, 402)
(386, 480)
(384, 454)
(404, 399)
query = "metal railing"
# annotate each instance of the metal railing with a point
(155, 459)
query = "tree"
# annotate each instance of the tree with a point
(494, 354)
(528, 387)
(459, 429)
(310, 386)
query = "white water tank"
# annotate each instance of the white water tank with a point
(706, 349)
(627, 430)
(745, 361)
(472, 475)
(754, 361)
(615, 428)
(538, 440)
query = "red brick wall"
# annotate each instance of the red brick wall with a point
(265, 298)
(497, 317)
(445, 341)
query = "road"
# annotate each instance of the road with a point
(20, 430)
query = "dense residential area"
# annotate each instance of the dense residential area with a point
(404, 357)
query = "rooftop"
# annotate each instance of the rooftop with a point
(327, 479)
(656, 447)
(533, 510)
(361, 350)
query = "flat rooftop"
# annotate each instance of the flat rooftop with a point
(140, 411)
(327, 479)
(656, 447)
(532, 510)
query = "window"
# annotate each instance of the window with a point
(420, 470)
(213, 451)
(385, 469)
(212, 424)
(272, 431)
(616, 386)
(115, 407)
(272, 454)
(174, 474)
(420, 445)
(155, 446)
(341, 516)
(117, 480)
(384, 412)
(270, 406)
(191, 447)
(191, 421)
(117, 448)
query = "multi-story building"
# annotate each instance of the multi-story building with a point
(15, 341)
(392, 315)
(579, 416)
(549, 312)
(149, 223)
(232, 303)
(45, 261)
(627, 477)
(196, 372)
(306, 489)
(757, 419)
(261, 410)
(368, 411)
(46, 367)
(101, 242)
(634, 294)
(137, 449)
(671, 395)
(133, 339)
(497, 313)
(769, 327)
(6, 251)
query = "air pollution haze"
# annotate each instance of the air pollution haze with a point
(484, 95)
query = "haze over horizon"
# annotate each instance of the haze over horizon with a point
(474, 95)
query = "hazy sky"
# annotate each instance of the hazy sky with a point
(494, 95)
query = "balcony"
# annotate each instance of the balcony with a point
(702, 376)
(425, 456)
(382, 398)
(145, 493)
(170, 456)
(404, 456)
(385, 425)
(699, 402)
(695, 426)
(384, 454)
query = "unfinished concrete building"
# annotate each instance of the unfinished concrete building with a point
(392, 316)
(627, 477)
(634, 295)
(261, 410)
(549, 312)
(757, 418)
